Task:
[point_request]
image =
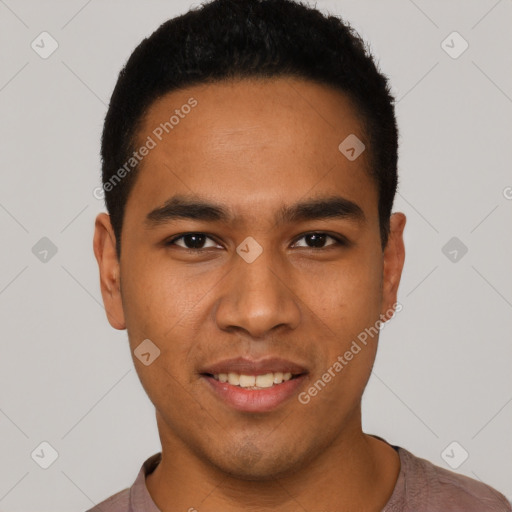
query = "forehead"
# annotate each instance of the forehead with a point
(251, 143)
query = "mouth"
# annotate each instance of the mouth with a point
(254, 382)
(254, 386)
(254, 392)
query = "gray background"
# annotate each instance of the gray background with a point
(67, 378)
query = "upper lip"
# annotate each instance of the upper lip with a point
(246, 366)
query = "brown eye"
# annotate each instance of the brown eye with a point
(192, 241)
(318, 240)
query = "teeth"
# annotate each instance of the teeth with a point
(264, 381)
(278, 377)
(234, 379)
(246, 381)
(253, 381)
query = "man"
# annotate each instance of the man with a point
(250, 166)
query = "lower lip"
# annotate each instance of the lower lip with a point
(255, 400)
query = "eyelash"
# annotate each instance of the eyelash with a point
(340, 241)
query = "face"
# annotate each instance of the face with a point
(249, 234)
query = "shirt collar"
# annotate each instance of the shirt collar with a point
(140, 499)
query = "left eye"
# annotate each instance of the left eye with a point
(318, 240)
(196, 241)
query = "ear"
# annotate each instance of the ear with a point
(104, 246)
(394, 257)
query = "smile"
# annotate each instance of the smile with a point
(254, 393)
(267, 380)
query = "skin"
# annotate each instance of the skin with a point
(254, 146)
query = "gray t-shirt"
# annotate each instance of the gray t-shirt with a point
(421, 487)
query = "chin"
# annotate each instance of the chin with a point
(249, 462)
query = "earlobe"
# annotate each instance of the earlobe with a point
(104, 245)
(393, 263)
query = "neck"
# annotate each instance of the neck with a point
(357, 472)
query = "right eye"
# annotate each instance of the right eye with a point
(192, 241)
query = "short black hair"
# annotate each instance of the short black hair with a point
(224, 39)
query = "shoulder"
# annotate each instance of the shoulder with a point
(119, 502)
(134, 498)
(453, 491)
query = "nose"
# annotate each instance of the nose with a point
(258, 298)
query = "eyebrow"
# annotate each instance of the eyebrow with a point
(184, 207)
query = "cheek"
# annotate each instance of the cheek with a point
(155, 298)
(166, 306)
(345, 306)
(345, 295)
(157, 307)
(346, 309)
